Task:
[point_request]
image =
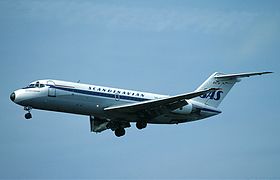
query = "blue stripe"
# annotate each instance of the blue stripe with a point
(100, 94)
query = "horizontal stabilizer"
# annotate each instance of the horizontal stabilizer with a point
(239, 75)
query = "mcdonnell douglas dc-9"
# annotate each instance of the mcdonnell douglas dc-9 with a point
(116, 109)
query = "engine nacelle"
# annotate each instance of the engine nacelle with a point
(184, 110)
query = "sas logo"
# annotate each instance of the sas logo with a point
(216, 95)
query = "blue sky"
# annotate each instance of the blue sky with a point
(168, 47)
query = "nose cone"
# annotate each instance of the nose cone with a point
(13, 96)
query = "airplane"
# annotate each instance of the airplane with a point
(115, 109)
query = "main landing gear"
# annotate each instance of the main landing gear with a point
(28, 115)
(141, 124)
(120, 132)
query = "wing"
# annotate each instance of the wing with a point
(155, 107)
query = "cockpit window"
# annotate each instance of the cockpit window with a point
(31, 85)
(37, 85)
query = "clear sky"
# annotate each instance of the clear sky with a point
(168, 47)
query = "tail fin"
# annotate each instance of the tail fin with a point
(223, 81)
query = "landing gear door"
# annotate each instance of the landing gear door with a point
(51, 90)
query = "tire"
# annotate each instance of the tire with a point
(120, 132)
(28, 116)
(141, 124)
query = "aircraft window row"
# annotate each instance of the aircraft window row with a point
(116, 91)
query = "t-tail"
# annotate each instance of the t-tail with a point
(222, 81)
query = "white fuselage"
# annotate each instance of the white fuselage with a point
(85, 99)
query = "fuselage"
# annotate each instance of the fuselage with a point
(86, 99)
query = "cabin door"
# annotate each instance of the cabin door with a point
(51, 90)
(117, 96)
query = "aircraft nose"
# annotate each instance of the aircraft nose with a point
(13, 96)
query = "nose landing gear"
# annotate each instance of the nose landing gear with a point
(28, 115)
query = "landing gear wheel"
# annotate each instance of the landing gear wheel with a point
(120, 132)
(141, 124)
(28, 115)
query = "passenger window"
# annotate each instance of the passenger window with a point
(42, 85)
